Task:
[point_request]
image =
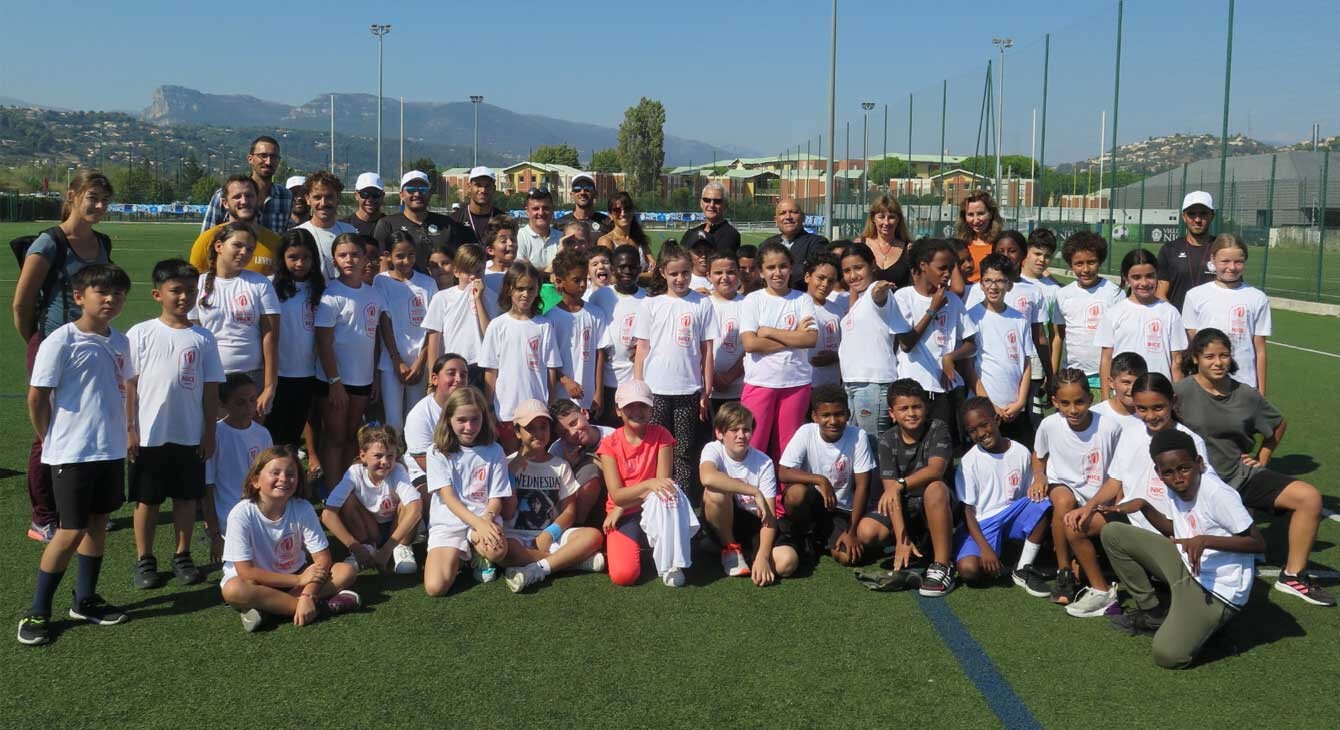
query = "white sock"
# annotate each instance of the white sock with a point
(544, 566)
(1029, 553)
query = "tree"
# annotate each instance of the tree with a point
(881, 171)
(203, 189)
(606, 161)
(642, 144)
(429, 168)
(556, 154)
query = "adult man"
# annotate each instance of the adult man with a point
(479, 208)
(276, 203)
(802, 244)
(323, 197)
(1185, 263)
(239, 200)
(716, 228)
(584, 206)
(370, 195)
(537, 241)
(430, 231)
(302, 211)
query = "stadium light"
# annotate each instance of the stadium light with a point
(476, 99)
(866, 106)
(1002, 44)
(379, 30)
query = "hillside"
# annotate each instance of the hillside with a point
(1161, 153)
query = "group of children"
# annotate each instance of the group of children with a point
(568, 419)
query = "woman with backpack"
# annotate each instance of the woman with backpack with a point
(43, 302)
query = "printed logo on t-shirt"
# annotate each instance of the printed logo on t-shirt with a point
(789, 320)
(1012, 345)
(1013, 479)
(1021, 303)
(533, 354)
(120, 369)
(1191, 522)
(1093, 468)
(387, 506)
(830, 331)
(586, 350)
(730, 335)
(626, 330)
(838, 474)
(683, 330)
(252, 452)
(1157, 489)
(287, 553)
(1153, 336)
(243, 311)
(417, 309)
(1237, 321)
(477, 491)
(941, 336)
(1092, 314)
(309, 316)
(188, 371)
(370, 320)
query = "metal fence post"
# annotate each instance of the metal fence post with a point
(1321, 238)
(1270, 223)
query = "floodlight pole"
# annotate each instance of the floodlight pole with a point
(475, 100)
(866, 106)
(832, 116)
(379, 30)
(1002, 44)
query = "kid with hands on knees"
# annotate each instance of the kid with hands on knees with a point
(374, 511)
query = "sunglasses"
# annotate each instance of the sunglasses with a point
(412, 189)
(614, 210)
(583, 189)
(713, 201)
(371, 194)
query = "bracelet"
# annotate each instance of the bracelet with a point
(336, 380)
(554, 531)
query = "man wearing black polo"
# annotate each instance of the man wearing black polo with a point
(370, 192)
(430, 231)
(716, 228)
(584, 206)
(479, 208)
(1185, 263)
(802, 244)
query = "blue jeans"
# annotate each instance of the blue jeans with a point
(869, 407)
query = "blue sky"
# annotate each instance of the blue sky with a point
(732, 73)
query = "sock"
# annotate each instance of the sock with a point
(86, 582)
(544, 566)
(47, 583)
(1029, 553)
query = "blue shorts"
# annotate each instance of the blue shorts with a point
(1012, 523)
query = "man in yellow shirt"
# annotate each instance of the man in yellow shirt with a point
(239, 199)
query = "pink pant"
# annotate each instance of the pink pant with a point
(778, 413)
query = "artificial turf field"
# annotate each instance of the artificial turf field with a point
(814, 651)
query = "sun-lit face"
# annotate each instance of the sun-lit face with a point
(524, 291)
(983, 427)
(790, 221)
(277, 480)
(403, 259)
(234, 253)
(1215, 361)
(240, 201)
(909, 412)
(936, 271)
(832, 420)
(466, 422)
(1197, 219)
(725, 277)
(598, 270)
(379, 459)
(978, 218)
(454, 374)
(994, 285)
(856, 272)
(1155, 410)
(1121, 385)
(1036, 262)
(1143, 279)
(91, 206)
(503, 250)
(736, 440)
(298, 262)
(820, 282)
(349, 260)
(678, 273)
(886, 225)
(1072, 401)
(264, 159)
(101, 303)
(324, 202)
(534, 436)
(1229, 263)
(573, 284)
(575, 429)
(777, 272)
(177, 295)
(1085, 265)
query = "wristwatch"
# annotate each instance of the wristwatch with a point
(335, 380)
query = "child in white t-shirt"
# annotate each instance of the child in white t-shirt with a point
(298, 284)
(822, 273)
(868, 351)
(519, 355)
(171, 405)
(406, 293)
(1005, 349)
(1142, 323)
(1081, 304)
(375, 511)
(1233, 307)
(597, 270)
(699, 280)
(727, 351)
(580, 332)
(449, 373)
(739, 492)
(576, 442)
(459, 315)
(238, 438)
(272, 532)
(501, 245)
(622, 303)
(1126, 368)
(1208, 564)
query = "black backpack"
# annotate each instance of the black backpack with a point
(19, 246)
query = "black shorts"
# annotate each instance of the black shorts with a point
(914, 516)
(170, 470)
(1263, 488)
(832, 523)
(746, 527)
(321, 389)
(88, 488)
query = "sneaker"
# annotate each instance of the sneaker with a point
(342, 602)
(1092, 602)
(1031, 580)
(674, 578)
(41, 533)
(937, 581)
(733, 562)
(1063, 593)
(593, 564)
(97, 611)
(1304, 585)
(251, 620)
(402, 558)
(33, 630)
(352, 560)
(1137, 622)
(484, 569)
(146, 575)
(185, 571)
(517, 579)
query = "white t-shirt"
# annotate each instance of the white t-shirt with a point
(990, 482)
(1241, 313)
(172, 366)
(1077, 459)
(1004, 346)
(579, 336)
(700, 284)
(869, 351)
(420, 424)
(828, 319)
(522, 351)
(1024, 297)
(1124, 420)
(452, 312)
(1217, 511)
(840, 461)
(297, 334)
(1080, 311)
(942, 336)
(87, 374)
(234, 317)
(277, 546)
(756, 470)
(1134, 468)
(324, 237)
(726, 346)
(382, 500)
(353, 315)
(478, 474)
(786, 368)
(675, 329)
(623, 311)
(406, 306)
(539, 251)
(1153, 331)
(1049, 288)
(234, 451)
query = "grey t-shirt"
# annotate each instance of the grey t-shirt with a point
(61, 309)
(1228, 424)
(898, 459)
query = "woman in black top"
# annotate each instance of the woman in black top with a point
(886, 235)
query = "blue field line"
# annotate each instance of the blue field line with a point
(995, 689)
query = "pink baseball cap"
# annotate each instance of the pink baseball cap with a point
(633, 391)
(528, 411)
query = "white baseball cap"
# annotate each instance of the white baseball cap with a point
(296, 181)
(411, 176)
(1198, 197)
(369, 180)
(584, 176)
(481, 171)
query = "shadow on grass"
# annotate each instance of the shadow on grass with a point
(1262, 622)
(1294, 464)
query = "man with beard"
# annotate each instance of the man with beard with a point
(479, 207)
(370, 195)
(802, 244)
(584, 206)
(1185, 264)
(323, 197)
(276, 201)
(239, 201)
(302, 210)
(716, 228)
(430, 231)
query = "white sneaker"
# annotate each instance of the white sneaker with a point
(593, 564)
(518, 578)
(733, 562)
(674, 578)
(402, 557)
(484, 569)
(1092, 602)
(251, 620)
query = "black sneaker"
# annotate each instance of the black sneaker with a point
(937, 581)
(185, 571)
(33, 630)
(1063, 592)
(1137, 621)
(1304, 585)
(1029, 579)
(145, 575)
(97, 611)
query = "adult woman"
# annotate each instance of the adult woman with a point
(40, 307)
(980, 225)
(627, 229)
(886, 234)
